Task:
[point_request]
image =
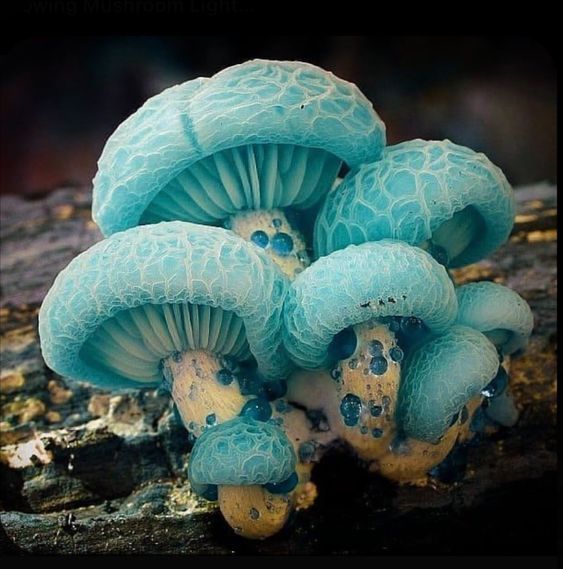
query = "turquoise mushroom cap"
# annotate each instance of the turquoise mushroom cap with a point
(143, 294)
(434, 194)
(498, 312)
(442, 376)
(241, 452)
(360, 283)
(259, 135)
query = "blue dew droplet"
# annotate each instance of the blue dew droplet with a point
(378, 365)
(375, 348)
(497, 385)
(375, 409)
(386, 400)
(276, 222)
(350, 409)
(343, 344)
(394, 323)
(307, 451)
(211, 419)
(364, 430)
(224, 376)
(260, 238)
(283, 487)
(396, 354)
(254, 513)
(335, 373)
(377, 433)
(282, 244)
(258, 409)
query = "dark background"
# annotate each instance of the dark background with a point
(62, 97)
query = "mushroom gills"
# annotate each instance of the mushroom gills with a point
(133, 343)
(454, 236)
(255, 177)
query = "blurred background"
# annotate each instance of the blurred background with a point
(62, 97)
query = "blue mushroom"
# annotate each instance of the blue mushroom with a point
(442, 376)
(437, 195)
(174, 300)
(357, 312)
(260, 136)
(498, 312)
(246, 460)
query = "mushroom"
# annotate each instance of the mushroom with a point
(195, 305)
(437, 195)
(498, 312)
(252, 466)
(506, 319)
(237, 149)
(359, 312)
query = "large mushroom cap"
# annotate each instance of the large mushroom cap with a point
(410, 194)
(440, 378)
(268, 112)
(126, 303)
(359, 283)
(498, 312)
(241, 452)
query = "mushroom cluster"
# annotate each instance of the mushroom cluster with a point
(274, 351)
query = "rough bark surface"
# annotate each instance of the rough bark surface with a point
(88, 471)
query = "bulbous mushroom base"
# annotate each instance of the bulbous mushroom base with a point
(252, 511)
(271, 231)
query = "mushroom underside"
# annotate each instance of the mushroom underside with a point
(255, 176)
(133, 343)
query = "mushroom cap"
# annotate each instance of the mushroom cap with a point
(440, 377)
(356, 284)
(166, 263)
(408, 194)
(490, 307)
(241, 452)
(256, 102)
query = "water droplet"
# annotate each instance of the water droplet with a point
(224, 376)
(378, 365)
(254, 513)
(497, 385)
(307, 451)
(353, 363)
(260, 238)
(258, 409)
(386, 400)
(276, 222)
(350, 409)
(396, 354)
(335, 373)
(282, 244)
(211, 419)
(364, 430)
(377, 433)
(375, 348)
(374, 409)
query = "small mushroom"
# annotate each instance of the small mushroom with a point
(237, 149)
(498, 312)
(357, 313)
(196, 305)
(437, 195)
(441, 376)
(252, 465)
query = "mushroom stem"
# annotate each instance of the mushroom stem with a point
(367, 383)
(204, 388)
(252, 511)
(271, 230)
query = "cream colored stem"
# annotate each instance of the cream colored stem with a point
(202, 399)
(275, 225)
